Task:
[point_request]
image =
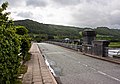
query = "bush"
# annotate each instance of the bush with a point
(10, 44)
(27, 57)
(9, 49)
(23, 69)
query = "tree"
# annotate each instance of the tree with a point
(80, 34)
(21, 30)
(25, 40)
(9, 48)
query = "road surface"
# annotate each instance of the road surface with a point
(75, 68)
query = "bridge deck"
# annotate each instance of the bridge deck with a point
(75, 68)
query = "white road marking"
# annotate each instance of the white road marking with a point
(100, 72)
(52, 71)
(109, 76)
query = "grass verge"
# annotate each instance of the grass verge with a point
(114, 44)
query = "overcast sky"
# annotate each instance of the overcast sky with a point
(81, 13)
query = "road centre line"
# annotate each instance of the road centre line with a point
(100, 72)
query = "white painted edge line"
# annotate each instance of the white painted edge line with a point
(52, 71)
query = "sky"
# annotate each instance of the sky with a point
(80, 13)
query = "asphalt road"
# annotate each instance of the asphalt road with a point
(75, 68)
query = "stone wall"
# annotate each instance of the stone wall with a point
(89, 45)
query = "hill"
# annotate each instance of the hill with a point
(59, 31)
(56, 30)
(111, 34)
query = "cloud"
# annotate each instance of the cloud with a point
(1, 1)
(67, 2)
(90, 13)
(115, 15)
(25, 14)
(96, 13)
(36, 3)
(16, 3)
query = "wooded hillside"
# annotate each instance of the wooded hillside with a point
(59, 31)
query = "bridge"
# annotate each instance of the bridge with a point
(68, 67)
(75, 68)
(67, 63)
